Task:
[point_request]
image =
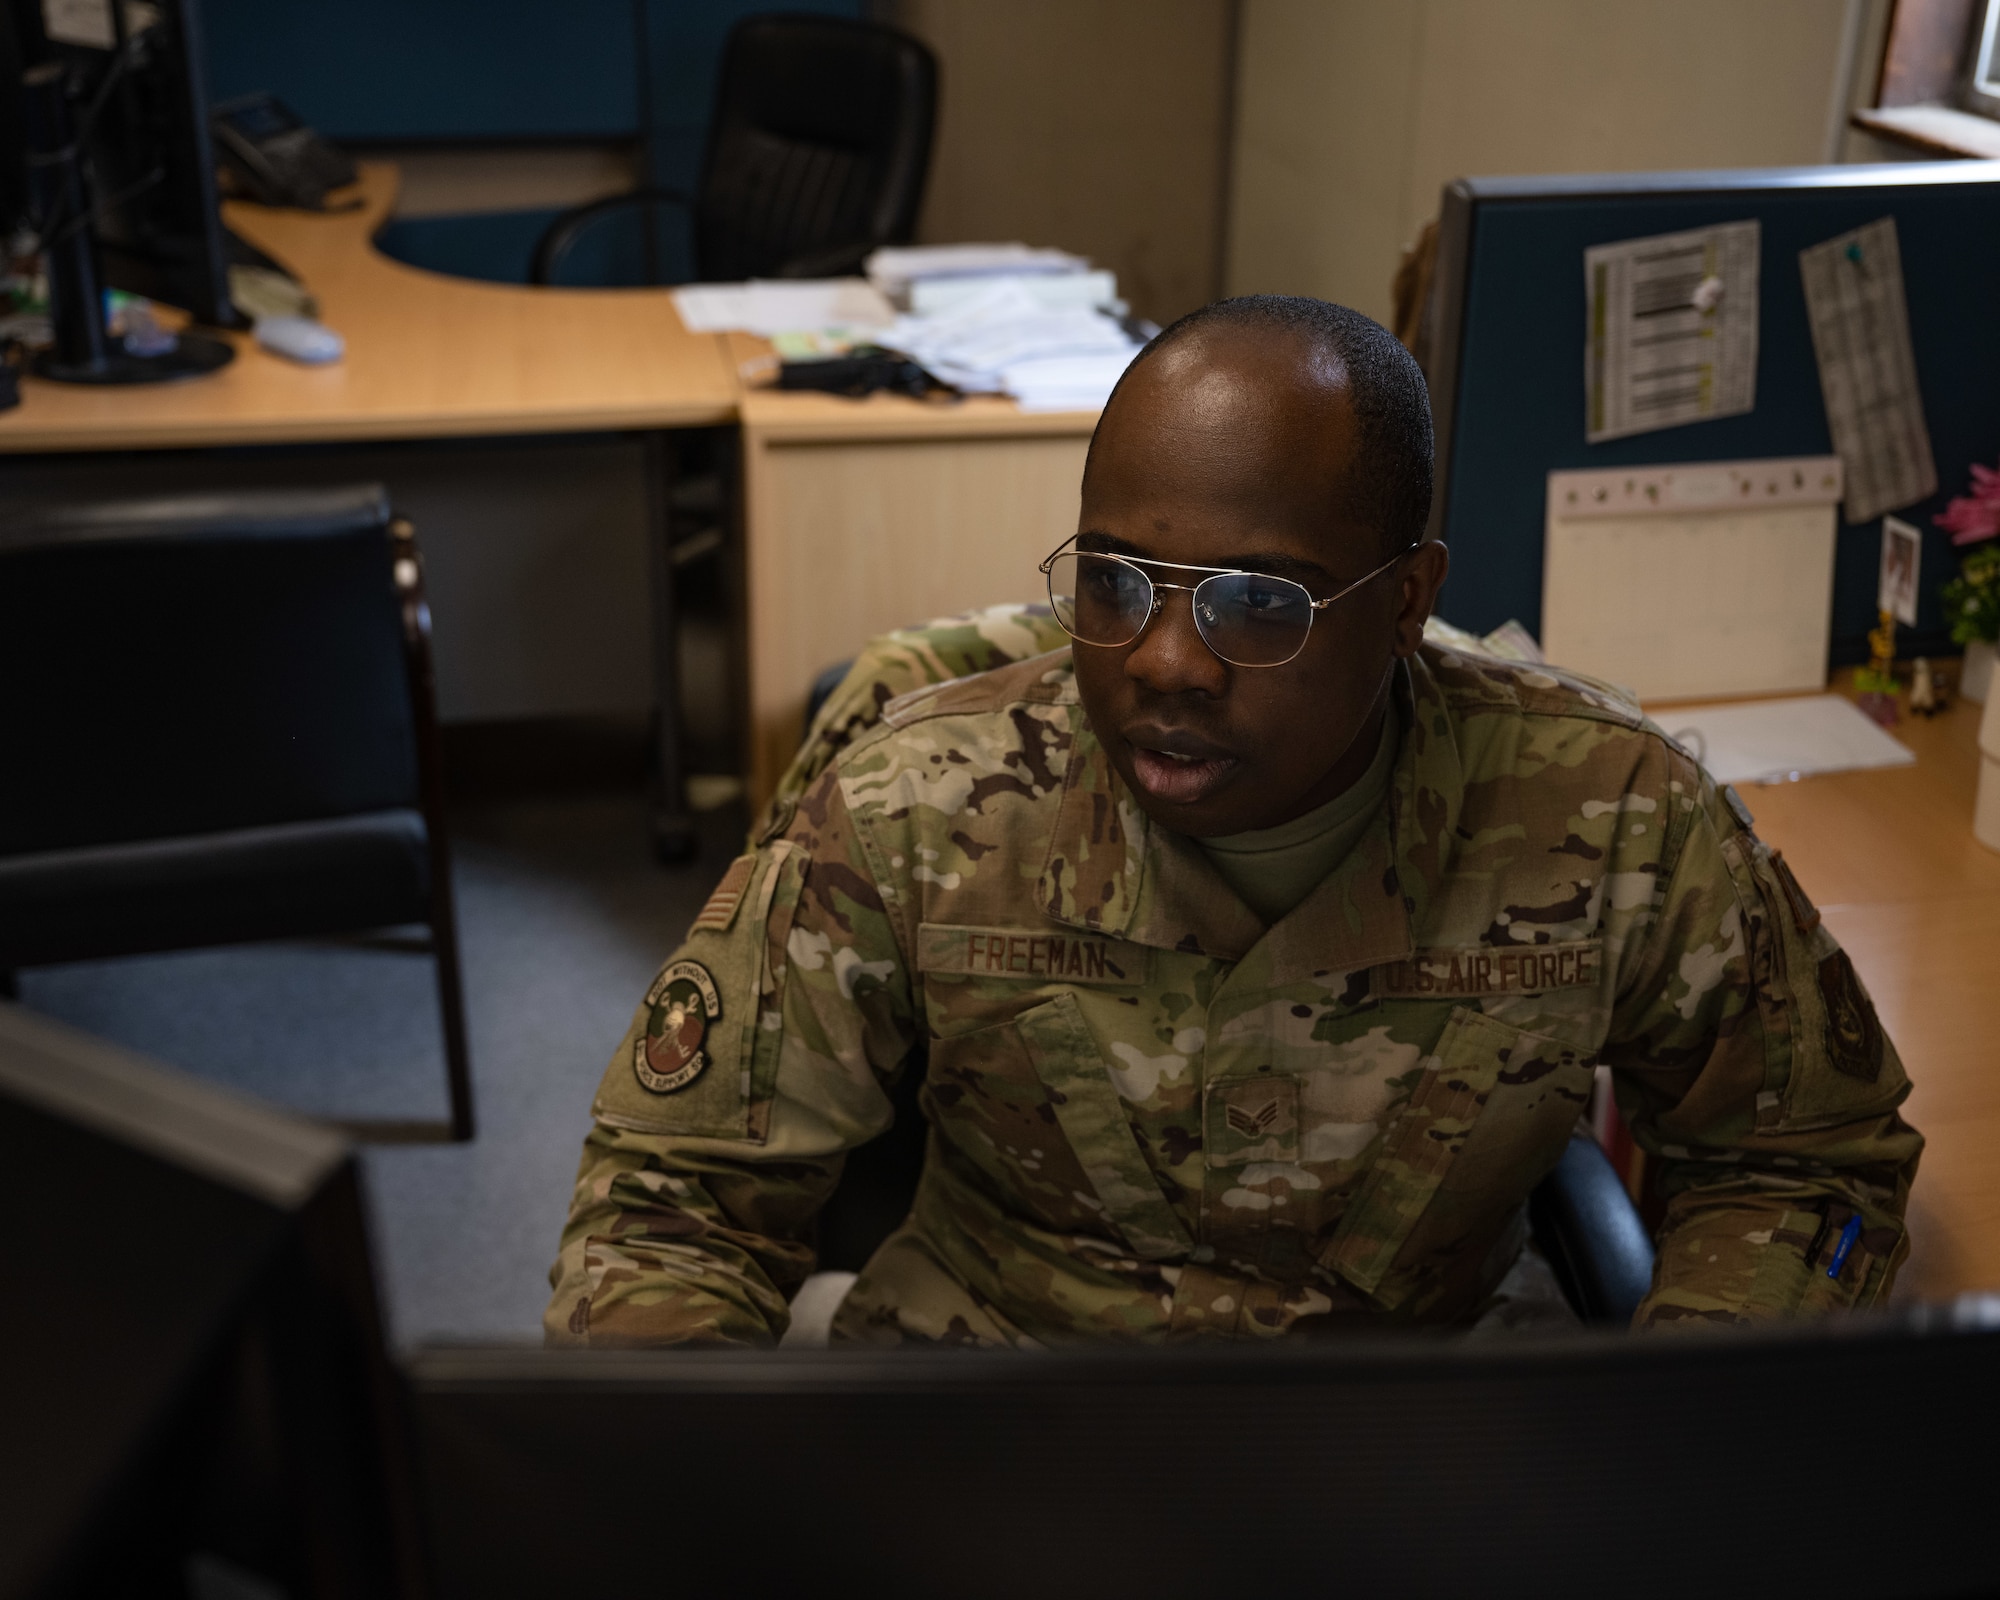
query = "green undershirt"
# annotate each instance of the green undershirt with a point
(1273, 869)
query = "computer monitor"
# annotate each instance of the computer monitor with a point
(192, 1377)
(1839, 1460)
(123, 191)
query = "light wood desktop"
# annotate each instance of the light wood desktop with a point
(428, 356)
(1889, 858)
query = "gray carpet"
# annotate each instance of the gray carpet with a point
(565, 919)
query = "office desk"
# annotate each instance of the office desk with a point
(428, 356)
(865, 515)
(1889, 859)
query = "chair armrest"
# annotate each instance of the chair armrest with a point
(1587, 1226)
(562, 231)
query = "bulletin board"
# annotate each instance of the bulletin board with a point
(1505, 355)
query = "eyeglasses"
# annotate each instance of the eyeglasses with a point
(1246, 618)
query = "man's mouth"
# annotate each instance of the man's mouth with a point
(1179, 771)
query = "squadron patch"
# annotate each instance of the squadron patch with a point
(682, 1002)
(1853, 1036)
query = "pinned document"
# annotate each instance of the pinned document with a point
(1672, 329)
(1707, 579)
(1867, 370)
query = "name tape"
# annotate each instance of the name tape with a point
(1012, 953)
(1485, 969)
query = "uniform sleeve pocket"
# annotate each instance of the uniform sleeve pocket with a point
(698, 1061)
(1487, 1119)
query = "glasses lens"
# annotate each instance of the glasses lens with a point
(1099, 599)
(1252, 620)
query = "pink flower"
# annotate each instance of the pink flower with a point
(1974, 517)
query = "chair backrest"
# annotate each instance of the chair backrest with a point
(197, 663)
(821, 141)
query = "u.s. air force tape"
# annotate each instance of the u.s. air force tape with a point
(1491, 969)
(680, 1006)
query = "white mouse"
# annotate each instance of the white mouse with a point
(300, 339)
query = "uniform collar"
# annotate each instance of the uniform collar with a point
(1111, 870)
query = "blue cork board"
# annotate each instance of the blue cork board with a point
(1519, 410)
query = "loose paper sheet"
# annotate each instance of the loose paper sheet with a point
(1776, 740)
(791, 306)
(1672, 331)
(1701, 579)
(1867, 372)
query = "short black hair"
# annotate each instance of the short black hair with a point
(1389, 483)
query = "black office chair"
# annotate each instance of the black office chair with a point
(218, 725)
(1583, 1220)
(817, 154)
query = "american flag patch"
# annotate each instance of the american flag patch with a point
(720, 911)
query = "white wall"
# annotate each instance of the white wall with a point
(1353, 114)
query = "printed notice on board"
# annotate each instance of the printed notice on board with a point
(1867, 371)
(1672, 333)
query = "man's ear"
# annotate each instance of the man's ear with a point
(1423, 576)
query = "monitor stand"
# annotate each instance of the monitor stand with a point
(85, 351)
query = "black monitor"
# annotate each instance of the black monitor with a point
(193, 1381)
(122, 188)
(1839, 1460)
(193, 1386)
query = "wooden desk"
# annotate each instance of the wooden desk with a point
(427, 356)
(866, 515)
(1890, 860)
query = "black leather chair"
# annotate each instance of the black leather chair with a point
(1583, 1220)
(218, 725)
(817, 154)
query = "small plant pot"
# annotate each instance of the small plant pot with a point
(1975, 677)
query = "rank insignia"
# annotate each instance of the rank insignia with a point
(681, 1004)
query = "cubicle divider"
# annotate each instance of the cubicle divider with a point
(1506, 345)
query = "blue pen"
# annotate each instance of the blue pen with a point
(1848, 1235)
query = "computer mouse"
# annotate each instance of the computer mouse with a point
(300, 339)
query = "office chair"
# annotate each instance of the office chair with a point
(817, 154)
(219, 726)
(1582, 1219)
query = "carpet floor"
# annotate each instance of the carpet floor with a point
(565, 918)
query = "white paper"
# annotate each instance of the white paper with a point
(769, 306)
(1699, 579)
(1776, 740)
(1902, 556)
(1867, 370)
(1671, 335)
(1003, 341)
(895, 267)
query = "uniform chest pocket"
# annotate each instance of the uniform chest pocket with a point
(1487, 1120)
(1029, 1108)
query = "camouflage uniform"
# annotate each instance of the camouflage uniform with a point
(1150, 1117)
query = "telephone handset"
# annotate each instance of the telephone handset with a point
(270, 156)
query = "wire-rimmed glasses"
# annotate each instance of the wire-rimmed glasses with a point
(1249, 619)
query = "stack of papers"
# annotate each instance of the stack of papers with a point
(773, 306)
(1039, 325)
(1004, 341)
(895, 270)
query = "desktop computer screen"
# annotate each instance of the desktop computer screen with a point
(193, 1380)
(140, 104)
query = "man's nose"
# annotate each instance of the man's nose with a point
(1171, 656)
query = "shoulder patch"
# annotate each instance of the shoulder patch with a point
(682, 1003)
